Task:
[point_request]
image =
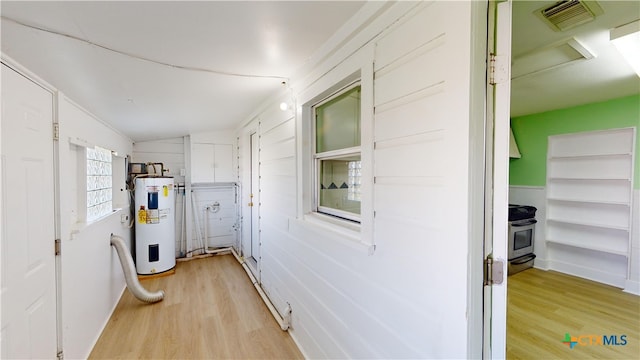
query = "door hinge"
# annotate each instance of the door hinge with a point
(56, 131)
(493, 271)
(57, 246)
(498, 70)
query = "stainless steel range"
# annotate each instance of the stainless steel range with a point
(521, 237)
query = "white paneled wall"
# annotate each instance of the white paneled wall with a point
(169, 152)
(91, 276)
(407, 299)
(220, 223)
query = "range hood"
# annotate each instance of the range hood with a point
(514, 152)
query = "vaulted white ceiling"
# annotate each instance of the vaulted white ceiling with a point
(183, 67)
(262, 42)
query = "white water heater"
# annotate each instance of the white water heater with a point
(155, 225)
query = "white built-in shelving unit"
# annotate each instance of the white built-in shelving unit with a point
(589, 194)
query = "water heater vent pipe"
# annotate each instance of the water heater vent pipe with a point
(129, 269)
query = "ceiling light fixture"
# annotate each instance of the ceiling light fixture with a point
(288, 104)
(626, 39)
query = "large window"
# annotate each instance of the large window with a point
(337, 154)
(99, 181)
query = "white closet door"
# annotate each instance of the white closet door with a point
(223, 163)
(202, 160)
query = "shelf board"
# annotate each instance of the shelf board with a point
(588, 179)
(590, 247)
(583, 223)
(595, 202)
(587, 156)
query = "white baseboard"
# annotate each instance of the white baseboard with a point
(106, 321)
(632, 287)
(294, 337)
(591, 274)
(541, 264)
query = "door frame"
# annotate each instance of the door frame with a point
(244, 177)
(254, 196)
(497, 176)
(20, 69)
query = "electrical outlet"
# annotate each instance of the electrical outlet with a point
(124, 218)
(183, 172)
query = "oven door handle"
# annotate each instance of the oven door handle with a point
(530, 222)
(523, 259)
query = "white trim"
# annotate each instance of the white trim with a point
(358, 66)
(587, 273)
(106, 321)
(527, 187)
(632, 287)
(334, 154)
(343, 215)
(20, 69)
(542, 264)
(500, 182)
(337, 93)
(80, 226)
(96, 118)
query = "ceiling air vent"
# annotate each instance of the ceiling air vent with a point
(567, 14)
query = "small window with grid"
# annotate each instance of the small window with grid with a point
(99, 183)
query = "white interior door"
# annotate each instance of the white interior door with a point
(497, 179)
(28, 228)
(254, 204)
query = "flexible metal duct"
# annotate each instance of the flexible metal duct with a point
(129, 269)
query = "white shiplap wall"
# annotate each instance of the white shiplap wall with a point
(220, 224)
(409, 298)
(169, 152)
(91, 275)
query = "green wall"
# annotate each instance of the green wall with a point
(532, 131)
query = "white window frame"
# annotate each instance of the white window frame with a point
(332, 155)
(355, 235)
(93, 186)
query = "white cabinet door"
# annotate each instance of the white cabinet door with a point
(223, 164)
(211, 163)
(28, 233)
(202, 163)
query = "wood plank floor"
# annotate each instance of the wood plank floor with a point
(210, 310)
(545, 305)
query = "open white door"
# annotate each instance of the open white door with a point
(28, 221)
(497, 177)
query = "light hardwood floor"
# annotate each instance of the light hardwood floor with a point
(210, 310)
(545, 305)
